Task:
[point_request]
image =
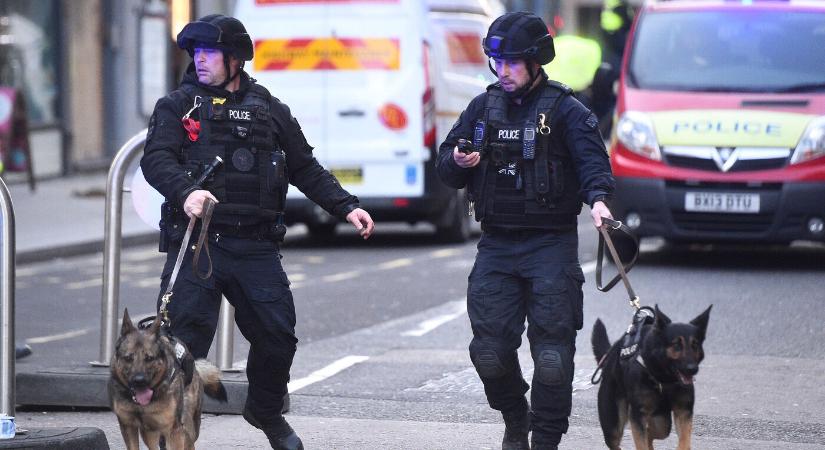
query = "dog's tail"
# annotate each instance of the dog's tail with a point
(211, 378)
(599, 340)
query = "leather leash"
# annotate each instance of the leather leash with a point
(203, 240)
(641, 312)
(208, 208)
(604, 237)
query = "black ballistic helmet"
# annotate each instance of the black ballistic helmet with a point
(519, 35)
(217, 31)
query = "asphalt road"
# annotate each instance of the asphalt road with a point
(383, 334)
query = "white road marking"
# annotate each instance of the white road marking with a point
(148, 282)
(395, 264)
(341, 276)
(142, 256)
(26, 271)
(326, 372)
(58, 337)
(459, 306)
(85, 284)
(297, 277)
(445, 253)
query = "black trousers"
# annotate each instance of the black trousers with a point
(249, 274)
(535, 276)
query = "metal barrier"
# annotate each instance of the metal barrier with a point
(6, 303)
(111, 264)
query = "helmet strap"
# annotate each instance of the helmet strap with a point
(226, 66)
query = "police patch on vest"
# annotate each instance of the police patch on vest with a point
(243, 159)
(592, 121)
(508, 134)
(239, 114)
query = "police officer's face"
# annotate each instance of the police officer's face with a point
(209, 66)
(512, 73)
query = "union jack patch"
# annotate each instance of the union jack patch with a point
(592, 121)
(509, 170)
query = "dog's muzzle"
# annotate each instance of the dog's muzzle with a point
(141, 391)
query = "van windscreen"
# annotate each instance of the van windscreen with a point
(730, 51)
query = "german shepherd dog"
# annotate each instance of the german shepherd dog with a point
(648, 385)
(155, 388)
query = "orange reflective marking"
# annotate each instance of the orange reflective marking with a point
(327, 54)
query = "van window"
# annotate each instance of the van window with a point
(729, 51)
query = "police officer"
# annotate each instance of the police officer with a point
(220, 111)
(530, 155)
(616, 20)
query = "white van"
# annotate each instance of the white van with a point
(376, 85)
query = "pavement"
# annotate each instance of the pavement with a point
(66, 217)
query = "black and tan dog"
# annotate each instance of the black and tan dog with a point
(156, 388)
(648, 383)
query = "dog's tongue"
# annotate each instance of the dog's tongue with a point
(143, 396)
(685, 379)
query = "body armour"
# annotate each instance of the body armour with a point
(252, 183)
(526, 178)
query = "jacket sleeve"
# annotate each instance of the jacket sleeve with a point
(448, 171)
(305, 172)
(581, 135)
(161, 163)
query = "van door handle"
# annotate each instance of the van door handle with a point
(351, 113)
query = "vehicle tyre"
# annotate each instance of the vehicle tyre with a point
(457, 228)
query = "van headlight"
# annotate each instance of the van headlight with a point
(635, 131)
(812, 144)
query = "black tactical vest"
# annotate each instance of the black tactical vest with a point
(526, 178)
(252, 182)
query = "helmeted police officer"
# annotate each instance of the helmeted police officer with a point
(219, 111)
(534, 155)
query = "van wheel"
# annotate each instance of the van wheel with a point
(322, 231)
(457, 229)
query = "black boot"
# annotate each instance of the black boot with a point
(281, 436)
(22, 351)
(516, 428)
(541, 442)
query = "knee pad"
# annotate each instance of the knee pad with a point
(551, 367)
(488, 364)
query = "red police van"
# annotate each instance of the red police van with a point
(720, 122)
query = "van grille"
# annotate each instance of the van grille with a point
(737, 160)
(738, 166)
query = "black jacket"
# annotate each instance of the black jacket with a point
(162, 167)
(574, 128)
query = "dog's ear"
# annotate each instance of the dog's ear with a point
(701, 322)
(154, 330)
(661, 319)
(126, 325)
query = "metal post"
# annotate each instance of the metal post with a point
(111, 246)
(226, 338)
(6, 303)
(111, 265)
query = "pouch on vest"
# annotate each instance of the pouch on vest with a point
(276, 175)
